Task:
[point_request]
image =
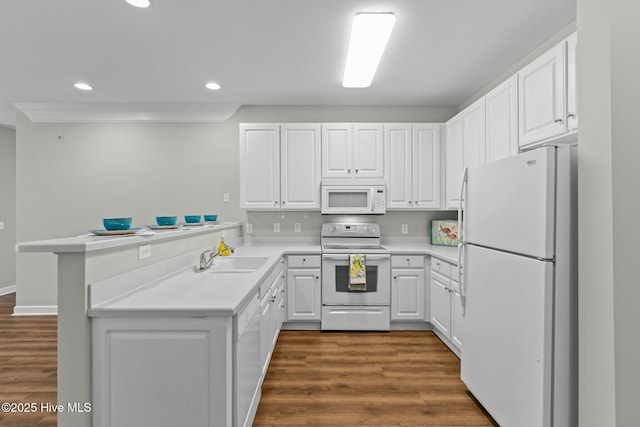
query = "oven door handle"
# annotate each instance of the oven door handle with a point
(342, 257)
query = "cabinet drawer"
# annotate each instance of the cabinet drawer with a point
(441, 267)
(303, 261)
(408, 261)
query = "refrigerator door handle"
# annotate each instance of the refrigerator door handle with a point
(462, 243)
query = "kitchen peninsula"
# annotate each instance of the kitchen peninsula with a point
(124, 319)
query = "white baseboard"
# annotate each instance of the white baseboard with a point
(7, 290)
(35, 310)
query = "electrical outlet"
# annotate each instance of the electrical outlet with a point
(297, 227)
(248, 228)
(225, 197)
(60, 137)
(404, 229)
(276, 227)
(144, 252)
(1, 225)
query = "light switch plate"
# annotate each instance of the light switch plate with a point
(276, 227)
(144, 252)
(248, 228)
(225, 197)
(404, 229)
(1, 225)
(296, 227)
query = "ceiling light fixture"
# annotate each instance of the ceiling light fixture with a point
(369, 37)
(139, 3)
(83, 86)
(212, 86)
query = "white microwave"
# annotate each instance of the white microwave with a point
(353, 199)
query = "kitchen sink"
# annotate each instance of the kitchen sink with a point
(237, 264)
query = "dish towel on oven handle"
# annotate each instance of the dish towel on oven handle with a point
(357, 272)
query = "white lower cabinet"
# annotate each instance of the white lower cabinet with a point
(186, 371)
(303, 288)
(445, 304)
(408, 295)
(163, 372)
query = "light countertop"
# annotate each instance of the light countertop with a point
(206, 294)
(90, 243)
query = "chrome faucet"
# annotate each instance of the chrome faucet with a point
(206, 259)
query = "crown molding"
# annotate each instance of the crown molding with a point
(126, 112)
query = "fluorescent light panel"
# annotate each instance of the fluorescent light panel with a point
(369, 37)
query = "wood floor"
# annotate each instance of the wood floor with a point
(315, 379)
(28, 364)
(401, 378)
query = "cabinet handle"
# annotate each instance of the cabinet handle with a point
(275, 203)
(273, 299)
(284, 203)
(304, 260)
(570, 115)
(395, 277)
(317, 277)
(348, 170)
(415, 203)
(356, 170)
(409, 260)
(558, 120)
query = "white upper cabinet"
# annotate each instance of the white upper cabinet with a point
(426, 166)
(541, 100)
(454, 165)
(412, 165)
(572, 105)
(280, 166)
(300, 166)
(260, 166)
(352, 150)
(502, 121)
(398, 160)
(473, 134)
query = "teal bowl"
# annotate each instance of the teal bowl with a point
(166, 220)
(117, 223)
(211, 217)
(192, 219)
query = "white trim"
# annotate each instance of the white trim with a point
(35, 310)
(127, 112)
(7, 290)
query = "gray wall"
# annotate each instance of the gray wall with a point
(608, 93)
(7, 207)
(148, 169)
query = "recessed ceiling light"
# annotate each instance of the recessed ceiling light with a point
(83, 86)
(139, 3)
(369, 37)
(212, 86)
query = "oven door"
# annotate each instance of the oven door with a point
(335, 280)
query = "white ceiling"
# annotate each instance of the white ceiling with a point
(262, 52)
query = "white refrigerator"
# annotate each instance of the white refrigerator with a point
(518, 254)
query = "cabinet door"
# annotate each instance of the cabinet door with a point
(541, 88)
(426, 166)
(454, 161)
(572, 105)
(398, 165)
(502, 121)
(439, 303)
(407, 294)
(473, 135)
(368, 159)
(457, 318)
(300, 166)
(265, 331)
(259, 166)
(303, 294)
(337, 150)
